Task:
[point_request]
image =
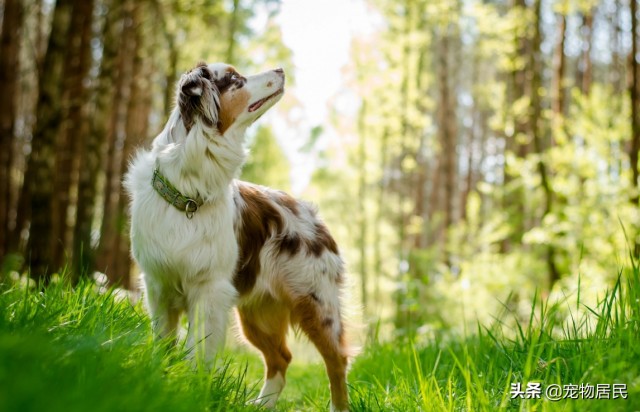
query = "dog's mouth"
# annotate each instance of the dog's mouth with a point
(255, 106)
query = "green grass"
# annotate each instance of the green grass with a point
(81, 350)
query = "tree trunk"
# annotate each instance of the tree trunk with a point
(475, 114)
(559, 66)
(9, 69)
(171, 77)
(41, 34)
(233, 28)
(536, 130)
(448, 136)
(171, 70)
(619, 58)
(469, 179)
(401, 220)
(514, 198)
(77, 64)
(378, 269)
(435, 202)
(362, 193)
(94, 144)
(42, 159)
(18, 233)
(421, 175)
(115, 139)
(420, 209)
(586, 72)
(136, 128)
(634, 84)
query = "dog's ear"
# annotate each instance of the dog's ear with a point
(198, 97)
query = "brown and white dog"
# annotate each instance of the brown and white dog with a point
(207, 242)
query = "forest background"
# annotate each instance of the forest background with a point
(477, 153)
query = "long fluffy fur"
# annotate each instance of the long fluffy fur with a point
(247, 245)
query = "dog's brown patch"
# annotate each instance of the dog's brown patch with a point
(287, 201)
(266, 328)
(321, 241)
(290, 243)
(259, 221)
(327, 322)
(232, 104)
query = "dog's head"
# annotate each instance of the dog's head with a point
(222, 98)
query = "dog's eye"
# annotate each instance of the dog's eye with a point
(235, 77)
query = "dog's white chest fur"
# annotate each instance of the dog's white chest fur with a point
(174, 249)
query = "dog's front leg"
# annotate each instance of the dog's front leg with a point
(164, 317)
(208, 311)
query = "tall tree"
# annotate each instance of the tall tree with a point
(447, 133)
(173, 50)
(114, 141)
(74, 130)
(634, 90)
(9, 68)
(233, 29)
(362, 205)
(517, 139)
(535, 120)
(92, 146)
(585, 73)
(559, 66)
(41, 161)
(136, 128)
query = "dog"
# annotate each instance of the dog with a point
(207, 242)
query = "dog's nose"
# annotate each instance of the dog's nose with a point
(279, 71)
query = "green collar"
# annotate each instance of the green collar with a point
(172, 195)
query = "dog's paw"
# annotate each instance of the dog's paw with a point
(267, 402)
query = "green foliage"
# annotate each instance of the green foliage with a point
(591, 184)
(267, 164)
(204, 30)
(586, 225)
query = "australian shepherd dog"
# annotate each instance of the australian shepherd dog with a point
(207, 242)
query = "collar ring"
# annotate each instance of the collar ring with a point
(190, 207)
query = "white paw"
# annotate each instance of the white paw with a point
(269, 402)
